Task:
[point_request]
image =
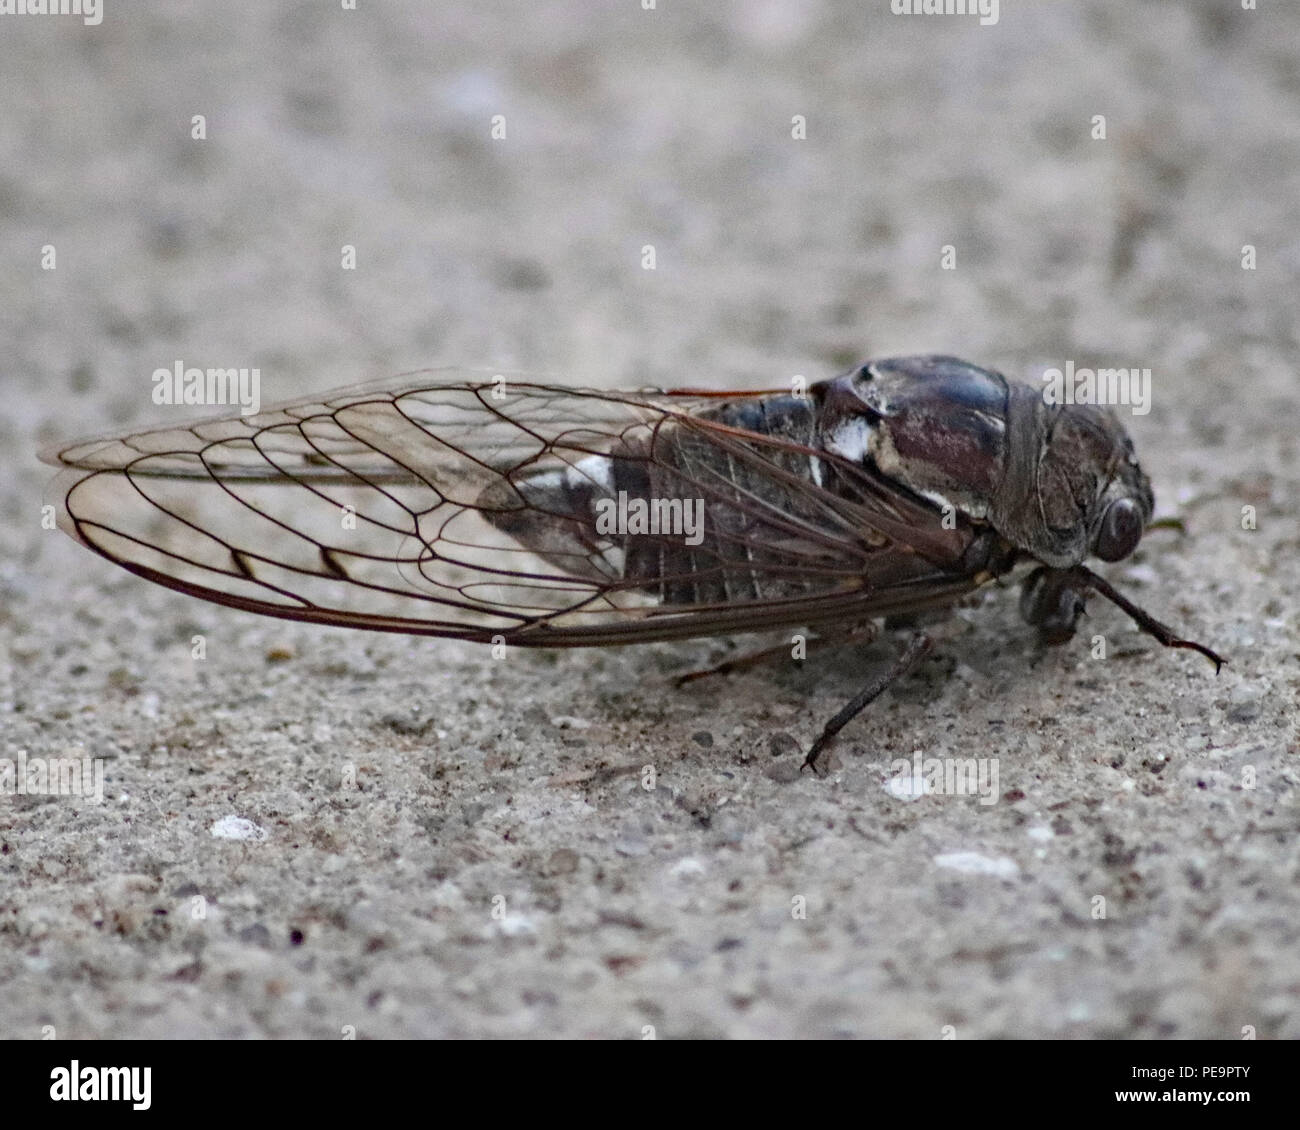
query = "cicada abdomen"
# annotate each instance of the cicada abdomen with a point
(722, 508)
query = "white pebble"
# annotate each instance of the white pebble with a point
(972, 863)
(237, 828)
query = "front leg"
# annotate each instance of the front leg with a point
(1052, 600)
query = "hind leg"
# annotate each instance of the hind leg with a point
(861, 633)
(916, 650)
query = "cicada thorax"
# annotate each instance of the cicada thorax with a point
(968, 439)
(932, 425)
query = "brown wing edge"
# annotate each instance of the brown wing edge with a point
(918, 596)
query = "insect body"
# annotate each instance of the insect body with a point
(537, 515)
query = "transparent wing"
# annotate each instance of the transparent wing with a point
(469, 508)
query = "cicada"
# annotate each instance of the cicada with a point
(501, 510)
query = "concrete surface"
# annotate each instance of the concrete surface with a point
(497, 868)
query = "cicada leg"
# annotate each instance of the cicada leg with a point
(915, 651)
(863, 633)
(1052, 601)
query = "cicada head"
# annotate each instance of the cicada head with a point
(1093, 496)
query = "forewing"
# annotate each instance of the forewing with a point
(398, 507)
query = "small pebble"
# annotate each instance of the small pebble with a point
(237, 828)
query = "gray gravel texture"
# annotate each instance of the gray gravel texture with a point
(498, 869)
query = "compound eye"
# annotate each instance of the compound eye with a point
(1121, 530)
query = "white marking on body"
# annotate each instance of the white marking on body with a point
(851, 439)
(595, 470)
(941, 501)
(616, 558)
(861, 441)
(540, 484)
(970, 508)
